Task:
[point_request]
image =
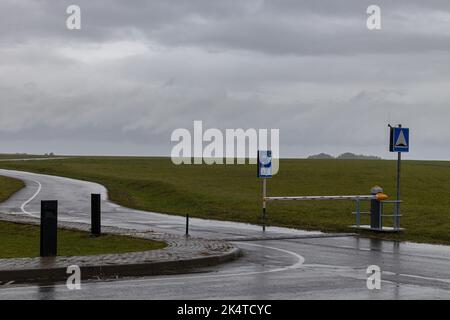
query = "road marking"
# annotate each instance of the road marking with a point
(31, 199)
(416, 276)
(389, 273)
(369, 250)
(298, 264)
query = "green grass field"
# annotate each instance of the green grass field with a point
(9, 186)
(19, 240)
(232, 192)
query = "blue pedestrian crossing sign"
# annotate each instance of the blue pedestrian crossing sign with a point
(399, 139)
(264, 164)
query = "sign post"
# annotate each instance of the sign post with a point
(264, 172)
(264, 192)
(398, 142)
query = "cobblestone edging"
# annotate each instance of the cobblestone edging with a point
(181, 255)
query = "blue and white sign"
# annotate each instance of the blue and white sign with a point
(399, 140)
(265, 164)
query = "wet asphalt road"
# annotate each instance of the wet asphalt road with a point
(297, 268)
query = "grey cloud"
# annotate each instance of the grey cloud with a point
(272, 27)
(309, 68)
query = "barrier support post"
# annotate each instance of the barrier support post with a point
(376, 222)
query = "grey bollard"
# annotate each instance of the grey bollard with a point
(375, 210)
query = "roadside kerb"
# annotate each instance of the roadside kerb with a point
(180, 256)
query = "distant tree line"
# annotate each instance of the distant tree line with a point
(346, 155)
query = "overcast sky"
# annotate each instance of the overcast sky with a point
(139, 69)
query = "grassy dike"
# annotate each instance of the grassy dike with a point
(8, 187)
(232, 192)
(19, 240)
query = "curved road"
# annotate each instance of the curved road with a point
(282, 264)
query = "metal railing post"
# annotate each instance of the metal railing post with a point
(396, 216)
(358, 213)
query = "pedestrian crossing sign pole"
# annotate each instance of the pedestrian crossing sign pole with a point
(398, 142)
(264, 171)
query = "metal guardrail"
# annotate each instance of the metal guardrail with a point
(395, 215)
(306, 198)
(357, 198)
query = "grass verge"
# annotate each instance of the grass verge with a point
(8, 187)
(20, 240)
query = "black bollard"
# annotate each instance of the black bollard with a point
(187, 225)
(49, 228)
(95, 214)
